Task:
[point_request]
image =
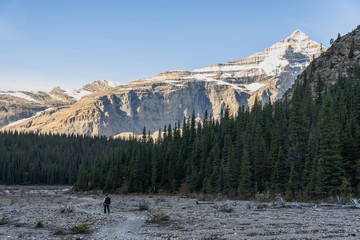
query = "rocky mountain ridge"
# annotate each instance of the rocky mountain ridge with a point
(168, 97)
(20, 105)
(340, 59)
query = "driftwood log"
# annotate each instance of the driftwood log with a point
(204, 202)
(280, 203)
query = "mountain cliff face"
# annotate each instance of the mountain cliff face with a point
(107, 109)
(340, 58)
(16, 107)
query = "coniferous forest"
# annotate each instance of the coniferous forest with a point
(49, 159)
(308, 146)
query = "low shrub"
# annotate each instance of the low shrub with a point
(80, 229)
(227, 210)
(3, 221)
(39, 224)
(159, 216)
(67, 210)
(144, 205)
(59, 232)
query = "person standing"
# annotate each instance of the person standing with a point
(106, 203)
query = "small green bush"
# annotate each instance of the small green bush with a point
(3, 221)
(67, 210)
(227, 210)
(39, 224)
(18, 225)
(80, 229)
(159, 216)
(59, 232)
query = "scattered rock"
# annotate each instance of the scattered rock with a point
(184, 219)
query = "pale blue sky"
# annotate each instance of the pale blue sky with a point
(45, 43)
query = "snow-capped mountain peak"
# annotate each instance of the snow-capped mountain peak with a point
(167, 97)
(298, 35)
(281, 62)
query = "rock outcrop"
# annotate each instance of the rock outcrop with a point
(15, 106)
(18, 106)
(109, 109)
(339, 59)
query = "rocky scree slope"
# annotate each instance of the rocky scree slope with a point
(169, 97)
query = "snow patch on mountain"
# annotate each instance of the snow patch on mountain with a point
(171, 81)
(25, 119)
(112, 84)
(76, 94)
(219, 82)
(200, 76)
(254, 86)
(272, 65)
(224, 68)
(19, 95)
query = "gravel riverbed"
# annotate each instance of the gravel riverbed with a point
(166, 217)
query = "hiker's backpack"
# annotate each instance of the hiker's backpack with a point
(107, 200)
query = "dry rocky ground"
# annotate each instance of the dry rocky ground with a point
(167, 217)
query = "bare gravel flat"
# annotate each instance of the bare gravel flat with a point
(167, 217)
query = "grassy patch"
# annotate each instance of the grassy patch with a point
(67, 210)
(227, 210)
(159, 216)
(39, 224)
(80, 229)
(3, 221)
(59, 232)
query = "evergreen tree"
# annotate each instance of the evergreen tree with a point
(280, 173)
(310, 165)
(351, 51)
(292, 185)
(297, 135)
(232, 170)
(330, 169)
(245, 186)
(348, 152)
(319, 89)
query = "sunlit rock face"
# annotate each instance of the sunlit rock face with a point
(340, 59)
(17, 106)
(105, 108)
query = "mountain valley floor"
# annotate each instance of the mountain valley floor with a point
(52, 212)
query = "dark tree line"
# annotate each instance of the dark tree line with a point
(308, 146)
(49, 159)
